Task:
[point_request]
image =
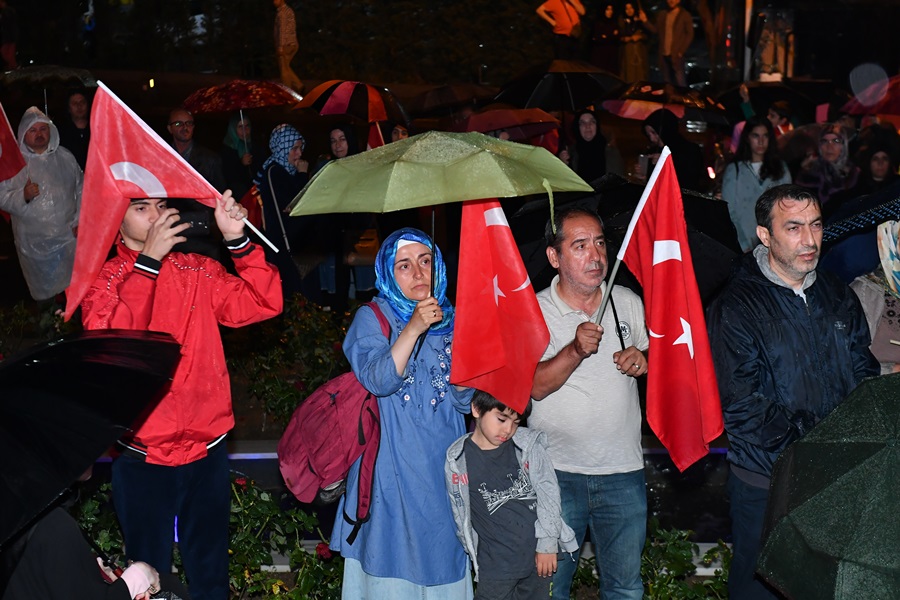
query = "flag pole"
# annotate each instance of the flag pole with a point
(663, 156)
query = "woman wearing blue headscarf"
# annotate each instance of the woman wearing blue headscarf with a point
(281, 178)
(408, 548)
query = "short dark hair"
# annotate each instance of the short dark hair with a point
(781, 108)
(485, 403)
(560, 216)
(780, 193)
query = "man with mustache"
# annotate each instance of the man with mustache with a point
(789, 342)
(586, 400)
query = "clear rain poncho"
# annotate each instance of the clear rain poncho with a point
(44, 228)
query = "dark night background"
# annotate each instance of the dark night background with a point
(409, 41)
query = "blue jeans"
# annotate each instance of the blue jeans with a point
(747, 510)
(615, 509)
(148, 498)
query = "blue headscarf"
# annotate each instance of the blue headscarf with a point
(281, 141)
(387, 286)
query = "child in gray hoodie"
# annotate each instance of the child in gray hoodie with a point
(505, 501)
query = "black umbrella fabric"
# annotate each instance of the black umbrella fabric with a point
(711, 235)
(831, 528)
(563, 85)
(64, 403)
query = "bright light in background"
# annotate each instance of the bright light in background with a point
(152, 83)
(712, 172)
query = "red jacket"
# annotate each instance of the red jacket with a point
(189, 298)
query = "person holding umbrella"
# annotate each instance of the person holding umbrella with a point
(408, 548)
(241, 160)
(789, 342)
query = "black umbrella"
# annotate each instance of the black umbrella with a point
(711, 236)
(64, 403)
(25, 82)
(563, 85)
(448, 97)
(831, 528)
(643, 98)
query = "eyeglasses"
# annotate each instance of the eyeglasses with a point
(835, 141)
(182, 123)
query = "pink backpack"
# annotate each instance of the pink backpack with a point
(328, 432)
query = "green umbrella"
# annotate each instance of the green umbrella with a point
(434, 168)
(832, 520)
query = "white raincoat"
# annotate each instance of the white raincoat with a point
(43, 228)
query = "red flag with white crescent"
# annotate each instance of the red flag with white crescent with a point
(499, 334)
(126, 159)
(683, 407)
(11, 160)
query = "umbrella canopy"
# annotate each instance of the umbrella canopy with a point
(564, 85)
(64, 403)
(520, 123)
(433, 168)
(46, 75)
(363, 101)
(763, 94)
(240, 94)
(447, 97)
(641, 99)
(880, 98)
(831, 526)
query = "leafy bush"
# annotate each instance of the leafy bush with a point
(667, 568)
(260, 525)
(286, 359)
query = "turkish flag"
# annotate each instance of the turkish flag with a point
(11, 160)
(126, 159)
(499, 334)
(683, 406)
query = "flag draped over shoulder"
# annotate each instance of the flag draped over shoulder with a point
(126, 159)
(500, 333)
(683, 407)
(11, 159)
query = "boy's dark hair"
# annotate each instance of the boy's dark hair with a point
(772, 196)
(485, 403)
(559, 217)
(781, 108)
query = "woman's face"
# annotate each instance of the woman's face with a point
(296, 152)
(242, 128)
(608, 11)
(412, 271)
(629, 9)
(653, 136)
(879, 165)
(830, 147)
(759, 142)
(587, 127)
(339, 146)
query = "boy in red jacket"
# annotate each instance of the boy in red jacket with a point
(175, 466)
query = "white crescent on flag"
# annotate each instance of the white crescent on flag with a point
(139, 176)
(495, 217)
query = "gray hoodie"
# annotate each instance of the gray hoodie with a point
(531, 451)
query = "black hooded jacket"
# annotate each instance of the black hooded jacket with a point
(783, 363)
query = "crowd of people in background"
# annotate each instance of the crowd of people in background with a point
(577, 469)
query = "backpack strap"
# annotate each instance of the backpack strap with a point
(370, 453)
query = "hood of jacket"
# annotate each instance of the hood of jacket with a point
(34, 115)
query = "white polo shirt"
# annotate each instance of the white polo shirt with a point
(593, 422)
